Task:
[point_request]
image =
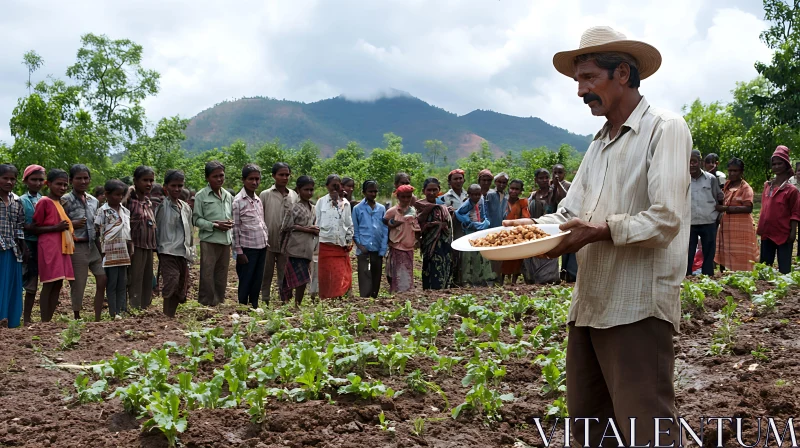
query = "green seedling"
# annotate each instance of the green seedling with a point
(166, 416)
(71, 335)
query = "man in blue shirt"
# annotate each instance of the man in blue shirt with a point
(371, 238)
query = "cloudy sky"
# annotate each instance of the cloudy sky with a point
(458, 55)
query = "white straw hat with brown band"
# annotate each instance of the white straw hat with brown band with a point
(600, 39)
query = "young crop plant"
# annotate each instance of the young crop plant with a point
(366, 389)
(384, 424)
(710, 287)
(85, 393)
(692, 295)
(120, 367)
(257, 400)
(418, 383)
(483, 400)
(446, 363)
(743, 281)
(419, 426)
(760, 353)
(134, 398)
(314, 377)
(166, 416)
(725, 334)
(71, 335)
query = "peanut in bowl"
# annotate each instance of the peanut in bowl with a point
(512, 243)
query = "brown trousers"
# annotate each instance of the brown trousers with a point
(173, 271)
(274, 259)
(214, 262)
(622, 372)
(140, 278)
(85, 258)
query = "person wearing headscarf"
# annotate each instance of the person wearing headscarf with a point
(780, 213)
(485, 179)
(34, 178)
(403, 235)
(437, 235)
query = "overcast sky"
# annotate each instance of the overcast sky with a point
(458, 55)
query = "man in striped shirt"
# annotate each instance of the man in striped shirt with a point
(250, 239)
(628, 211)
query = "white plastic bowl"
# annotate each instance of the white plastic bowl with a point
(513, 251)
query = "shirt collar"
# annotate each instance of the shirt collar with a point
(633, 122)
(243, 195)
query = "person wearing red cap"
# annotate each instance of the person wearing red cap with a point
(403, 235)
(780, 213)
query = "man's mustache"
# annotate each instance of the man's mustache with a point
(589, 97)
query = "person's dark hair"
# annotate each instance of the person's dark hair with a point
(185, 194)
(113, 185)
(559, 165)
(213, 166)
(517, 181)
(610, 60)
(540, 171)
(56, 173)
(348, 180)
(400, 176)
(98, 190)
(737, 162)
(157, 190)
(431, 180)
(367, 184)
(143, 170)
(278, 165)
(696, 153)
(173, 175)
(302, 181)
(331, 178)
(711, 157)
(473, 187)
(8, 168)
(249, 169)
(78, 168)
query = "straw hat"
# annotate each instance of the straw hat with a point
(600, 39)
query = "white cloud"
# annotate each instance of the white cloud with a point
(460, 55)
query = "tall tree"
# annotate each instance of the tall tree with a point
(436, 150)
(783, 36)
(114, 83)
(33, 62)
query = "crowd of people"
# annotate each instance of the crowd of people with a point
(116, 232)
(723, 232)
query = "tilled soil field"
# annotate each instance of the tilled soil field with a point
(756, 374)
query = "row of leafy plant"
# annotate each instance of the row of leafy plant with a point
(327, 355)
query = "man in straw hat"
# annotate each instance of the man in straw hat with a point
(628, 211)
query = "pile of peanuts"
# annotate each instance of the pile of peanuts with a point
(513, 235)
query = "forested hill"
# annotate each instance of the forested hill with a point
(331, 123)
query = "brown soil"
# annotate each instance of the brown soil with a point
(33, 411)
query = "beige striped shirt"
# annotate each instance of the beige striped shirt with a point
(637, 182)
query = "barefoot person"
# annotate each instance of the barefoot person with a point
(175, 242)
(33, 178)
(13, 250)
(628, 211)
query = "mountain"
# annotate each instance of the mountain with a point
(334, 122)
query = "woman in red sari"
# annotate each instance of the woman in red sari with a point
(736, 237)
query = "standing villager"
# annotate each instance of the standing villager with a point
(371, 237)
(299, 233)
(569, 262)
(543, 201)
(213, 215)
(403, 239)
(485, 179)
(335, 221)
(278, 201)
(348, 186)
(143, 235)
(629, 212)
(13, 250)
(496, 203)
(33, 177)
(400, 179)
(780, 213)
(175, 242)
(737, 247)
(517, 208)
(250, 238)
(56, 242)
(706, 195)
(113, 228)
(453, 199)
(81, 208)
(711, 165)
(437, 235)
(476, 270)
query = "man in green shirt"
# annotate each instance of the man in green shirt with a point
(213, 216)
